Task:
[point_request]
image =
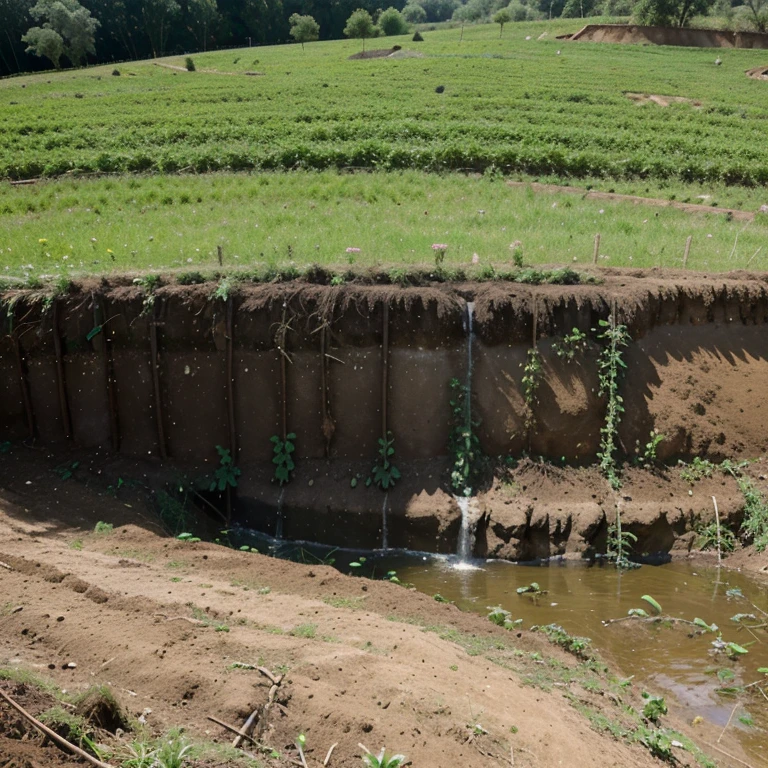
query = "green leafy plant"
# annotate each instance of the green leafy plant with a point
(619, 544)
(614, 337)
(189, 63)
(65, 471)
(696, 470)
(463, 442)
(382, 760)
(704, 626)
(656, 741)
(571, 643)
(653, 603)
(532, 590)
(385, 473)
(283, 457)
(226, 474)
(502, 618)
(148, 285)
(572, 343)
(532, 375)
(754, 526)
(654, 707)
(645, 455)
(707, 537)
(102, 527)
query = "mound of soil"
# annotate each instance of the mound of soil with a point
(698, 38)
(662, 101)
(758, 73)
(377, 53)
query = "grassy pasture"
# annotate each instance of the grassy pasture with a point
(70, 227)
(514, 103)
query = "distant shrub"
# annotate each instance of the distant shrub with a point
(417, 38)
(116, 72)
(190, 64)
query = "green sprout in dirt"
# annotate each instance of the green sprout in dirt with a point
(382, 760)
(614, 338)
(463, 443)
(645, 455)
(568, 642)
(283, 457)
(570, 344)
(698, 469)
(385, 473)
(226, 474)
(148, 285)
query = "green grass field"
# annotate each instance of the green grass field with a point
(512, 105)
(278, 219)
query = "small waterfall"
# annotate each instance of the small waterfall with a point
(279, 523)
(467, 532)
(466, 543)
(384, 529)
(470, 340)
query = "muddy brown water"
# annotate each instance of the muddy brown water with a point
(673, 659)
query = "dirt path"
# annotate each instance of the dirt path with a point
(657, 202)
(163, 621)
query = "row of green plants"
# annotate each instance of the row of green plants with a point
(316, 110)
(227, 283)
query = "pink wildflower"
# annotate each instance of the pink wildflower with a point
(353, 250)
(439, 247)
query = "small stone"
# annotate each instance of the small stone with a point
(71, 665)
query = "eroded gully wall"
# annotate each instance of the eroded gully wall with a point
(172, 377)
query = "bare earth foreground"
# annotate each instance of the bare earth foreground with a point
(163, 621)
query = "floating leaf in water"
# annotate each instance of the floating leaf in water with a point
(734, 592)
(739, 617)
(734, 649)
(643, 614)
(706, 627)
(725, 675)
(648, 599)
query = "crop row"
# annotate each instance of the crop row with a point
(516, 104)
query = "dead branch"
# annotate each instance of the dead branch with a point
(234, 730)
(330, 752)
(179, 618)
(61, 742)
(5, 565)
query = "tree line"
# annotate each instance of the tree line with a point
(76, 32)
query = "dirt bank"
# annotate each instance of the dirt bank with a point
(162, 622)
(698, 38)
(171, 373)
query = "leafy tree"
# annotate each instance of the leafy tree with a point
(360, 25)
(68, 29)
(501, 18)
(304, 29)
(759, 10)
(43, 41)
(414, 13)
(16, 20)
(668, 13)
(439, 10)
(203, 16)
(391, 22)
(158, 16)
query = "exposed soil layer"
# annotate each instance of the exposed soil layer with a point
(698, 38)
(376, 53)
(758, 73)
(173, 373)
(163, 621)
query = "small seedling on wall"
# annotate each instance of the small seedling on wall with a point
(283, 457)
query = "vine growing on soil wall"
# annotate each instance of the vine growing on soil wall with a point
(614, 338)
(463, 443)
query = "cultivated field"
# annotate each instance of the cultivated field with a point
(513, 102)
